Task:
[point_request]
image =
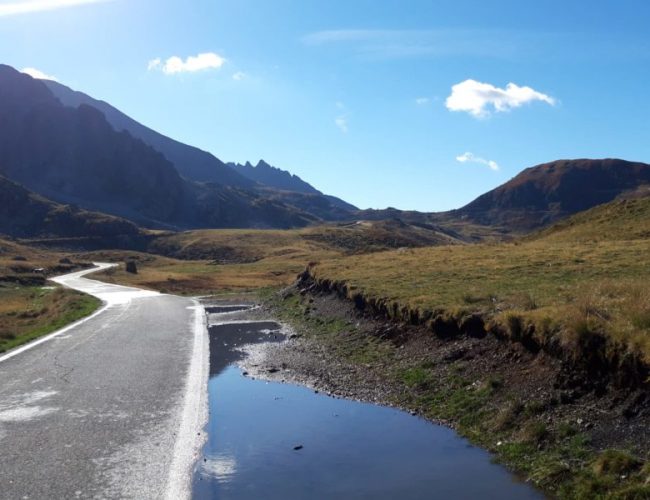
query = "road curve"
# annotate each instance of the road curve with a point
(110, 407)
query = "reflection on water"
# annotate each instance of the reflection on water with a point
(220, 468)
(349, 449)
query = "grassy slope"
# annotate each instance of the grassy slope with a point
(621, 220)
(248, 259)
(28, 309)
(245, 245)
(564, 280)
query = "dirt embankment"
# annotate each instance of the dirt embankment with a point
(551, 417)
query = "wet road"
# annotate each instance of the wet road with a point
(109, 408)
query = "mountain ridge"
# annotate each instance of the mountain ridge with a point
(191, 162)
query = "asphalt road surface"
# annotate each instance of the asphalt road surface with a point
(111, 407)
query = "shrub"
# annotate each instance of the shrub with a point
(615, 462)
(534, 432)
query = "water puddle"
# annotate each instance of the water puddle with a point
(220, 309)
(280, 441)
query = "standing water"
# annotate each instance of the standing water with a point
(270, 440)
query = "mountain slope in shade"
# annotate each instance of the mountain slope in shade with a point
(73, 155)
(546, 193)
(24, 214)
(192, 163)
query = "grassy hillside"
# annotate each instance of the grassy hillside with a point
(554, 289)
(626, 219)
(247, 259)
(247, 245)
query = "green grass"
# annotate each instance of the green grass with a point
(27, 313)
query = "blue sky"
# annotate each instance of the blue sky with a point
(383, 103)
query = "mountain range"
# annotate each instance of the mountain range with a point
(75, 155)
(64, 152)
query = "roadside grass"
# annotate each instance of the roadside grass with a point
(560, 288)
(29, 306)
(27, 313)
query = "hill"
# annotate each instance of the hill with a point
(543, 194)
(24, 214)
(624, 219)
(245, 245)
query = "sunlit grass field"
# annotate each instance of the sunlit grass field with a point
(30, 312)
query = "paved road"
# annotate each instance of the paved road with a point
(109, 408)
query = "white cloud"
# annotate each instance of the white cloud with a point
(239, 75)
(471, 158)
(374, 44)
(421, 101)
(174, 64)
(28, 6)
(478, 99)
(154, 63)
(342, 123)
(38, 74)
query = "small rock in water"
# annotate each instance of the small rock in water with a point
(297, 447)
(244, 373)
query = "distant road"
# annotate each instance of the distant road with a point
(111, 407)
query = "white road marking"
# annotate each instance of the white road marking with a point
(194, 413)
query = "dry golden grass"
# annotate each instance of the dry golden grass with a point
(625, 219)
(19, 259)
(567, 286)
(201, 277)
(248, 245)
(247, 259)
